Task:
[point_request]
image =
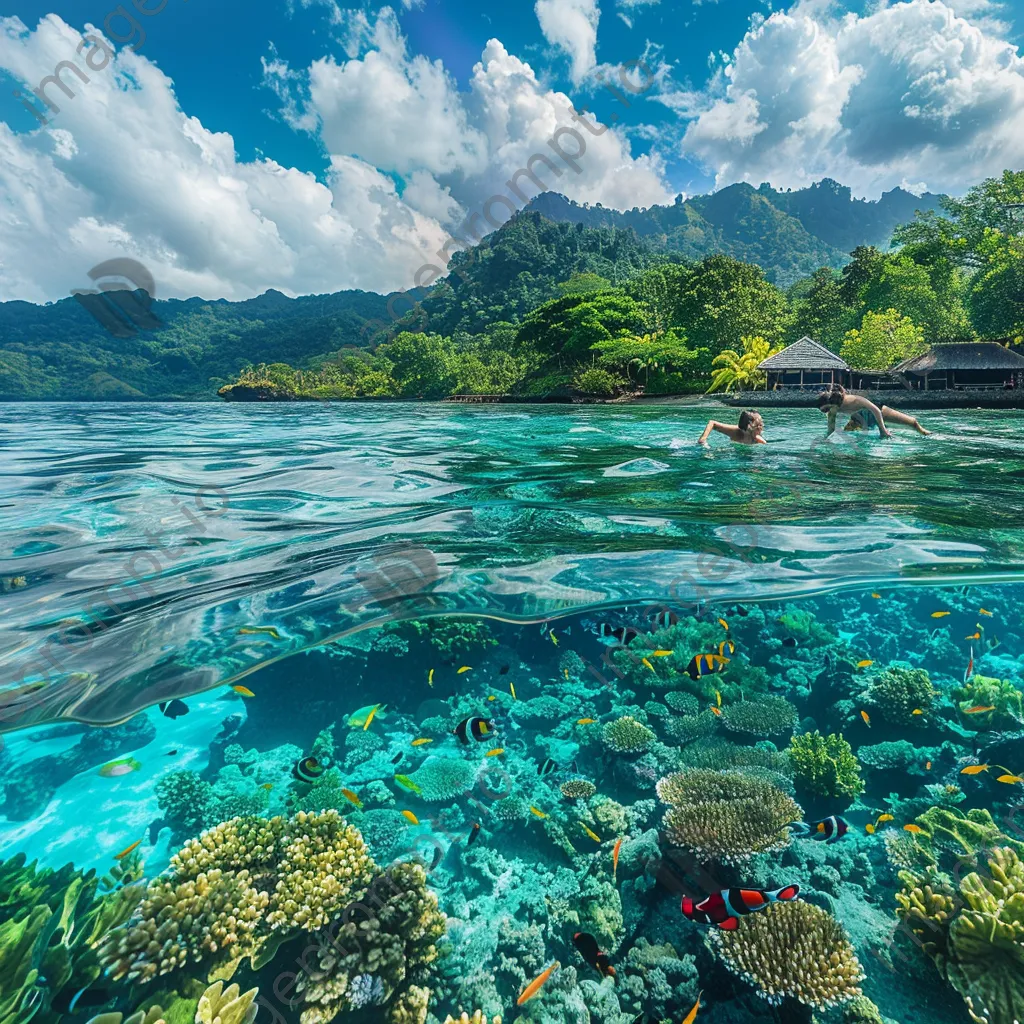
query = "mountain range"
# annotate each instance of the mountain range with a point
(59, 351)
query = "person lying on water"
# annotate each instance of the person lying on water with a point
(748, 430)
(862, 412)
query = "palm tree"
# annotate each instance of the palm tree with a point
(739, 370)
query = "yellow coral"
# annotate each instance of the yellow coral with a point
(218, 1005)
(793, 950)
(479, 1017)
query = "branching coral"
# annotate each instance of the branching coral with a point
(627, 736)
(444, 778)
(449, 637)
(684, 728)
(228, 890)
(898, 691)
(766, 716)
(825, 765)
(792, 950)
(394, 943)
(185, 799)
(726, 816)
(478, 1017)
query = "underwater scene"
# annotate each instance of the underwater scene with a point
(434, 714)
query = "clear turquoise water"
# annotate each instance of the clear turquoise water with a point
(152, 552)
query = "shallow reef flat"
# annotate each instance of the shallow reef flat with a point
(460, 819)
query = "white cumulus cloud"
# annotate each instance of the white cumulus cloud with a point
(571, 25)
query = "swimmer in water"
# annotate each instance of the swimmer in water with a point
(748, 431)
(862, 412)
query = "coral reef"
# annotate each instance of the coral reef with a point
(627, 736)
(825, 765)
(726, 816)
(767, 716)
(577, 789)
(895, 693)
(444, 778)
(1005, 699)
(792, 950)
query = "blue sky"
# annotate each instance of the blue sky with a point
(308, 145)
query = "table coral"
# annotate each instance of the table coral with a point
(726, 816)
(444, 778)
(627, 736)
(767, 716)
(825, 765)
(792, 950)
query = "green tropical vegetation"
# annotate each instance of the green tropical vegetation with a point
(606, 305)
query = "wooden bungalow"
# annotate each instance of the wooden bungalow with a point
(804, 364)
(962, 366)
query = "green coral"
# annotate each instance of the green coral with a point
(444, 778)
(767, 716)
(227, 892)
(450, 638)
(185, 799)
(949, 835)
(394, 943)
(627, 736)
(999, 694)
(825, 765)
(218, 1005)
(792, 950)
(726, 816)
(684, 728)
(895, 693)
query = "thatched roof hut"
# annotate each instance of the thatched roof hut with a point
(963, 365)
(805, 363)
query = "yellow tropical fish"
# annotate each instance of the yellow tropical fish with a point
(715, 709)
(410, 817)
(647, 663)
(369, 718)
(884, 817)
(492, 697)
(692, 1015)
(243, 690)
(268, 786)
(718, 698)
(939, 615)
(254, 630)
(534, 987)
(1010, 779)
(585, 721)
(876, 595)
(593, 835)
(984, 611)
(915, 829)
(495, 752)
(554, 639)
(566, 671)
(512, 690)
(615, 856)
(128, 849)
(464, 668)
(540, 814)
(430, 678)
(407, 783)
(917, 711)
(352, 798)
(867, 718)
(973, 636)
(419, 741)
(974, 769)
(866, 663)
(869, 828)
(723, 623)
(661, 654)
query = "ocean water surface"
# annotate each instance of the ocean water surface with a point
(546, 672)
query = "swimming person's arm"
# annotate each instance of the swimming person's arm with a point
(863, 403)
(722, 428)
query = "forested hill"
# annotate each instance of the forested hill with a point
(788, 234)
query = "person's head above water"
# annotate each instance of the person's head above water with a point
(750, 422)
(832, 398)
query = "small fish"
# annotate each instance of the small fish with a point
(869, 828)
(496, 752)
(565, 671)
(358, 718)
(587, 947)
(492, 697)
(268, 786)
(406, 783)
(534, 987)
(243, 691)
(615, 856)
(410, 817)
(969, 671)
(867, 718)
(398, 757)
(473, 727)
(593, 835)
(664, 618)
(984, 611)
(647, 663)
(539, 814)
(171, 753)
(619, 635)
(726, 907)
(915, 829)
(352, 798)
(585, 721)
(980, 709)
(1010, 779)
(789, 641)
(715, 710)
(661, 654)
(420, 740)
(173, 708)
(939, 615)
(430, 678)
(705, 664)
(547, 767)
(865, 663)
(927, 766)
(554, 639)
(503, 671)
(255, 630)
(128, 849)
(974, 636)
(308, 769)
(883, 817)
(876, 596)
(974, 769)
(726, 649)
(512, 690)
(917, 711)
(115, 769)
(830, 829)
(473, 833)
(692, 1015)
(464, 668)
(723, 624)
(369, 719)
(718, 698)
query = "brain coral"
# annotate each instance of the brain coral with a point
(444, 778)
(794, 950)
(227, 891)
(578, 789)
(766, 716)
(726, 816)
(627, 736)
